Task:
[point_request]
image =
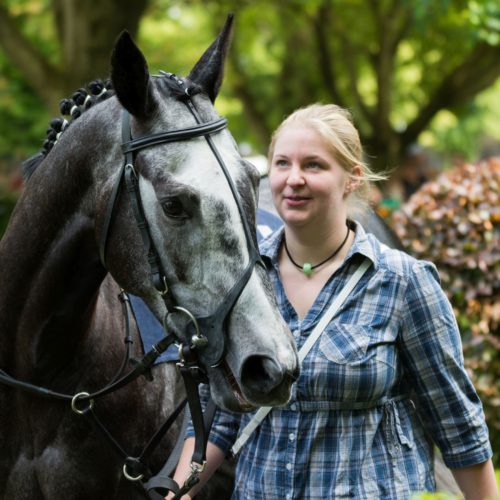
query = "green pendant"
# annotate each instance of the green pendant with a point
(307, 269)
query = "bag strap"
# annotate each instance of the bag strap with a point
(318, 330)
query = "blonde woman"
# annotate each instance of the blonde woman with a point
(350, 429)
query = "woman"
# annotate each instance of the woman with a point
(351, 429)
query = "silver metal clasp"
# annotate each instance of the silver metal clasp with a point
(198, 339)
(75, 399)
(129, 477)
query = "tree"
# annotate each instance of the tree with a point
(84, 34)
(394, 63)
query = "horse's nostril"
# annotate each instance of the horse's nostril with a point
(294, 375)
(261, 373)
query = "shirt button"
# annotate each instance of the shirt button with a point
(288, 466)
(291, 436)
(296, 333)
(293, 407)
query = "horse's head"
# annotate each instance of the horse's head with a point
(200, 228)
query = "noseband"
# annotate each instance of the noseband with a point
(208, 335)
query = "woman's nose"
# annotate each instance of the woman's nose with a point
(295, 177)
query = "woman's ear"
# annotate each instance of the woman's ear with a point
(354, 180)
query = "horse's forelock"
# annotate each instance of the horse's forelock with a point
(178, 92)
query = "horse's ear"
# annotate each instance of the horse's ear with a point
(130, 77)
(208, 71)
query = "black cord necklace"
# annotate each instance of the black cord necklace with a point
(307, 268)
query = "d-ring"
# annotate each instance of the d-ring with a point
(198, 339)
(76, 397)
(129, 477)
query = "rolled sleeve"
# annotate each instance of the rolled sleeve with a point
(449, 406)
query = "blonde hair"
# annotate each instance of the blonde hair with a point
(334, 124)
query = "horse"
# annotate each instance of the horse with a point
(144, 193)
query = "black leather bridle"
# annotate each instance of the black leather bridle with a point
(206, 336)
(209, 337)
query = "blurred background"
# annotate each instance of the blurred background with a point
(421, 78)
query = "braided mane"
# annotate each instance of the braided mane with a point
(81, 100)
(84, 98)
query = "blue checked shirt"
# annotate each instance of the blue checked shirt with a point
(350, 430)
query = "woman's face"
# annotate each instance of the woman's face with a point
(307, 183)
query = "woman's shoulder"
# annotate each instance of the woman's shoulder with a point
(397, 261)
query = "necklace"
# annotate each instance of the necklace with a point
(307, 268)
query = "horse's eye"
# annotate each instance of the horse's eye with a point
(173, 208)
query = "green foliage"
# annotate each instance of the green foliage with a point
(434, 496)
(275, 64)
(454, 222)
(470, 132)
(23, 118)
(35, 19)
(485, 15)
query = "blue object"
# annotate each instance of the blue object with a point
(151, 330)
(267, 223)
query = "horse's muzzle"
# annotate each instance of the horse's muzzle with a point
(264, 381)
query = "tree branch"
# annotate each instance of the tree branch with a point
(383, 62)
(350, 62)
(478, 71)
(38, 71)
(325, 58)
(257, 119)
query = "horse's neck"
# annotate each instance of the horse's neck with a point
(50, 274)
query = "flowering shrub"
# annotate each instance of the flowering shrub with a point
(454, 222)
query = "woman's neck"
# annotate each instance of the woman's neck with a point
(314, 246)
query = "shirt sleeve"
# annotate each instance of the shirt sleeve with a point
(225, 425)
(431, 350)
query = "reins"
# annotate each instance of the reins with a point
(142, 366)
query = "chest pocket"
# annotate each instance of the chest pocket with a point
(345, 343)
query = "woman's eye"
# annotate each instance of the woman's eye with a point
(281, 163)
(173, 208)
(313, 165)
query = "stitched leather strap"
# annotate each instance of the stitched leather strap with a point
(174, 135)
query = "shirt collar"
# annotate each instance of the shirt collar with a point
(363, 244)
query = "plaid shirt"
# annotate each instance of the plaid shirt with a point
(349, 429)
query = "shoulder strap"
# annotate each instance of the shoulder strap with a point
(318, 330)
(333, 308)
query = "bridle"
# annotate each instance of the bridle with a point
(207, 335)
(210, 336)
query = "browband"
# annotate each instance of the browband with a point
(174, 135)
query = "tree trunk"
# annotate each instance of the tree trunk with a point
(86, 32)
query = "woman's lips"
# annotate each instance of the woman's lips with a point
(296, 201)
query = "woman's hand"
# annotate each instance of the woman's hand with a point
(214, 458)
(183, 497)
